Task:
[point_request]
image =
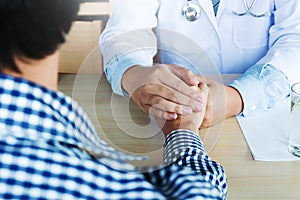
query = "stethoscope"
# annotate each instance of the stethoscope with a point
(191, 11)
(249, 11)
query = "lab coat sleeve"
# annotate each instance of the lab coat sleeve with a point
(284, 39)
(128, 38)
(267, 83)
(261, 87)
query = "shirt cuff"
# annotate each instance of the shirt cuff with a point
(117, 66)
(177, 142)
(261, 87)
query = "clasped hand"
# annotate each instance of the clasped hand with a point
(161, 91)
(170, 92)
(190, 122)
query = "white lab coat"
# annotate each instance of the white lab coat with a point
(265, 50)
(232, 43)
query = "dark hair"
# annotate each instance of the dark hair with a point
(33, 28)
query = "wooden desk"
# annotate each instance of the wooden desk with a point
(121, 124)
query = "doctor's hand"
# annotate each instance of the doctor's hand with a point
(190, 122)
(223, 102)
(163, 91)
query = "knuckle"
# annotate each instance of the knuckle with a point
(191, 102)
(152, 100)
(146, 87)
(177, 109)
(159, 68)
(160, 88)
(170, 108)
(159, 101)
(177, 84)
(159, 114)
(188, 72)
(172, 96)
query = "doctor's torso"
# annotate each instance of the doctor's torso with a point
(233, 43)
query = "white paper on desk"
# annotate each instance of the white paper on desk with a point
(267, 133)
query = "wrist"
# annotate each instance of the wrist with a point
(234, 102)
(126, 80)
(172, 125)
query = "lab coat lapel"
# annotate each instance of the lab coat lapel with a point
(221, 9)
(208, 9)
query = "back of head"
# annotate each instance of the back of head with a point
(33, 29)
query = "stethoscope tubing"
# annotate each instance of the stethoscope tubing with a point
(191, 6)
(249, 10)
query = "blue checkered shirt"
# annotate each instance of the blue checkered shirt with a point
(49, 149)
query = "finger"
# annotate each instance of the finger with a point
(184, 74)
(169, 106)
(174, 96)
(166, 100)
(168, 78)
(159, 113)
(207, 120)
(204, 90)
(179, 85)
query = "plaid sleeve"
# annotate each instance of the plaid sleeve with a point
(189, 172)
(37, 170)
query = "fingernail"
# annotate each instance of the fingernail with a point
(173, 116)
(199, 99)
(187, 111)
(198, 107)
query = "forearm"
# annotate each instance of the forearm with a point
(116, 67)
(184, 148)
(188, 166)
(123, 51)
(128, 39)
